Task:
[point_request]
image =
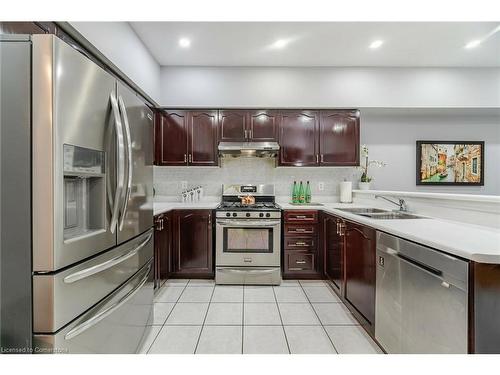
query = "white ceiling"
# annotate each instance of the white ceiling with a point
(322, 43)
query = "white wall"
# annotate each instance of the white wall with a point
(329, 87)
(120, 44)
(391, 137)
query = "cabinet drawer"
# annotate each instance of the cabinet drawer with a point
(300, 229)
(301, 216)
(299, 261)
(300, 243)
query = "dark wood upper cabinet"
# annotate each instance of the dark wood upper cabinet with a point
(192, 244)
(171, 138)
(333, 245)
(263, 126)
(360, 271)
(202, 138)
(233, 126)
(248, 125)
(298, 138)
(339, 138)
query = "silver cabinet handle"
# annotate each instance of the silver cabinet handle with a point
(245, 136)
(190, 158)
(126, 192)
(120, 178)
(317, 158)
(105, 265)
(300, 217)
(300, 262)
(79, 329)
(321, 158)
(185, 158)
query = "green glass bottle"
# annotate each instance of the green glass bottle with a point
(308, 193)
(302, 197)
(295, 193)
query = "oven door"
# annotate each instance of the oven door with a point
(248, 242)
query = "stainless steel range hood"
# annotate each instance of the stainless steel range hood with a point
(248, 149)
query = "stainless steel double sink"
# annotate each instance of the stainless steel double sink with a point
(377, 213)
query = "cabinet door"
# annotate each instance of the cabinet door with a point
(162, 248)
(233, 126)
(298, 138)
(192, 250)
(263, 126)
(333, 247)
(339, 138)
(171, 138)
(360, 269)
(202, 130)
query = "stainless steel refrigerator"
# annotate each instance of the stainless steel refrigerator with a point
(76, 246)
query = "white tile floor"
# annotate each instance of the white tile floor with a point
(195, 316)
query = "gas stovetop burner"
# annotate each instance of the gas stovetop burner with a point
(237, 206)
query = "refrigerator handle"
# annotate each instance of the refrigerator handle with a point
(120, 164)
(79, 329)
(128, 188)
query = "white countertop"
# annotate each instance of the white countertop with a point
(162, 206)
(477, 243)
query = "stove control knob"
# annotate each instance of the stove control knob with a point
(228, 214)
(248, 214)
(268, 215)
(234, 214)
(261, 215)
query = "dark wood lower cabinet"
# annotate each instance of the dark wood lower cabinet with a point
(162, 247)
(360, 271)
(302, 257)
(192, 250)
(333, 249)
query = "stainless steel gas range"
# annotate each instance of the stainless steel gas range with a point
(248, 236)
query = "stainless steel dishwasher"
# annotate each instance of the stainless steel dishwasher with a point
(421, 298)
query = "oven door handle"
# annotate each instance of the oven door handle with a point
(242, 223)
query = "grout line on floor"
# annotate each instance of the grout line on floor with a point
(243, 319)
(281, 320)
(204, 320)
(165, 321)
(320, 322)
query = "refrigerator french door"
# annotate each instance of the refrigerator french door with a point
(136, 215)
(90, 203)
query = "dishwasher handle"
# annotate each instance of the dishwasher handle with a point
(421, 265)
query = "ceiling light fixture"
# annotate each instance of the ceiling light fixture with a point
(184, 42)
(376, 44)
(473, 44)
(280, 43)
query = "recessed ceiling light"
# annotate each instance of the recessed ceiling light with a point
(376, 44)
(280, 43)
(473, 44)
(184, 42)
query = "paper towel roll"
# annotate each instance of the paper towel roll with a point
(346, 192)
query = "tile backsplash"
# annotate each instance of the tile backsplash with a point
(168, 180)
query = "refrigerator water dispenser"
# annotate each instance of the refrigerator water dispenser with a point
(84, 192)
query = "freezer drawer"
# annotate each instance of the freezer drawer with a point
(118, 324)
(59, 298)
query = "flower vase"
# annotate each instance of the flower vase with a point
(364, 185)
